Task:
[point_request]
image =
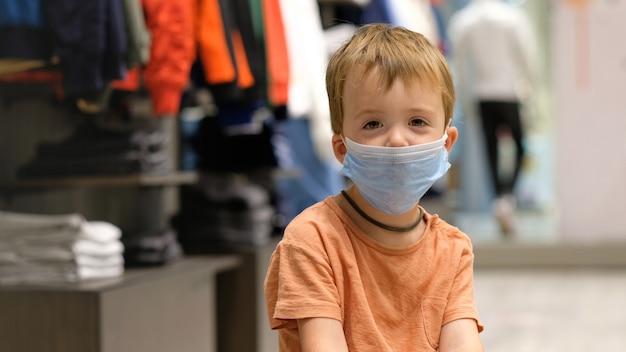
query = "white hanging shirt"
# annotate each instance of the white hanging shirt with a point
(416, 15)
(308, 57)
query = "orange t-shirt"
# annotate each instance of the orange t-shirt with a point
(388, 299)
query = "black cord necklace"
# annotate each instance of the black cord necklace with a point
(380, 224)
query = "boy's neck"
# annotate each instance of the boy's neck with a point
(386, 237)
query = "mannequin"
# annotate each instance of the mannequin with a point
(493, 53)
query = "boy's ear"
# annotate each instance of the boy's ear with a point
(339, 148)
(453, 136)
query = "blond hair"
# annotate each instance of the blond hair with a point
(392, 52)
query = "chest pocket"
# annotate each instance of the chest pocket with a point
(432, 313)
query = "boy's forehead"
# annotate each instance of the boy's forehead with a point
(358, 77)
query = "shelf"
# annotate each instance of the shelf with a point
(214, 263)
(163, 309)
(171, 179)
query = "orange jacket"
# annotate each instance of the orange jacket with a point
(215, 42)
(276, 52)
(172, 53)
(228, 49)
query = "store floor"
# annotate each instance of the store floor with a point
(552, 310)
(537, 294)
(532, 226)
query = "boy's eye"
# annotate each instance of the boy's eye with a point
(417, 122)
(372, 125)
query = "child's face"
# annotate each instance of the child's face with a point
(396, 117)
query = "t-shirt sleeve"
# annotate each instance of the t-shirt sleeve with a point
(461, 304)
(300, 284)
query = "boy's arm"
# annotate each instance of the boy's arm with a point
(460, 335)
(322, 335)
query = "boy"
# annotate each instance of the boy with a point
(369, 269)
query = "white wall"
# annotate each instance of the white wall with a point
(589, 68)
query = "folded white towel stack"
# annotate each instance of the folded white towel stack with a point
(45, 249)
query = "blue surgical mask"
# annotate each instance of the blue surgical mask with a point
(394, 179)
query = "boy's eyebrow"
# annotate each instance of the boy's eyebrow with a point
(412, 110)
(424, 109)
(365, 111)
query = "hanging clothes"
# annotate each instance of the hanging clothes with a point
(86, 41)
(94, 43)
(222, 61)
(242, 51)
(377, 11)
(277, 54)
(172, 51)
(416, 15)
(138, 50)
(23, 33)
(442, 31)
(90, 41)
(244, 63)
(308, 58)
(166, 74)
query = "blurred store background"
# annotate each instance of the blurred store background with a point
(556, 283)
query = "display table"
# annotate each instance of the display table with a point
(244, 325)
(170, 308)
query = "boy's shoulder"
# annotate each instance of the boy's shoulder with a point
(443, 228)
(320, 223)
(325, 207)
(320, 214)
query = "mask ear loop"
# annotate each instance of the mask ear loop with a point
(343, 140)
